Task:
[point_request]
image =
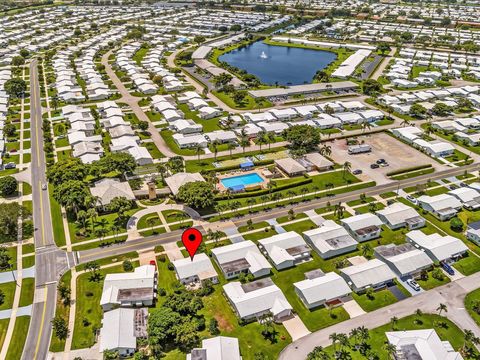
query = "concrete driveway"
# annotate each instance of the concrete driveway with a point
(353, 309)
(295, 327)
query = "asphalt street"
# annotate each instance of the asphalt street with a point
(151, 241)
(50, 262)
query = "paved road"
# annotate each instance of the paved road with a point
(451, 294)
(49, 260)
(151, 241)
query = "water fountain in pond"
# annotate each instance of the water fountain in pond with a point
(263, 55)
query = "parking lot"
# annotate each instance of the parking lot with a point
(397, 154)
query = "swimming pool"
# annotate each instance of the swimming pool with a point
(243, 180)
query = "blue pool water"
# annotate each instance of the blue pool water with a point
(279, 64)
(244, 180)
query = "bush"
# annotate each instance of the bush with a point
(456, 224)
(404, 170)
(127, 265)
(162, 292)
(170, 266)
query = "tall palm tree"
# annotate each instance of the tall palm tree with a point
(270, 139)
(366, 125)
(339, 209)
(393, 321)
(198, 150)
(390, 349)
(326, 150)
(405, 122)
(468, 337)
(261, 139)
(231, 146)
(441, 307)
(334, 338)
(215, 149)
(347, 167)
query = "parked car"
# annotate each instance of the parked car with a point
(448, 269)
(374, 166)
(381, 161)
(411, 199)
(413, 284)
(10, 165)
(44, 186)
(462, 184)
(357, 172)
(453, 187)
(385, 164)
(391, 201)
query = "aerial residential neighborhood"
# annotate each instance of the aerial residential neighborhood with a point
(256, 180)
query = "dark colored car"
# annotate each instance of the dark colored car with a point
(448, 269)
(357, 172)
(374, 166)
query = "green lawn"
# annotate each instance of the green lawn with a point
(255, 226)
(28, 248)
(470, 301)
(56, 213)
(143, 222)
(377, 338)
(88, 312)
(57, 345)
(300, 226)
(261, 234)
(431, 282)
(380, 299)
(153, 150)
(287, 218)
(357, 202)
(172, 216)
(28, 261)
(19, 336)
(3, 330)
(9, 292)
(468, 265)
(27, 188)
(167, 136)
(26, 295)
(388, 194)
(315, 319)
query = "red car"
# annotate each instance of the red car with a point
(153, 262)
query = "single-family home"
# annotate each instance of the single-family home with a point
(469, 197)
(257, 298)
(290, 166)
(330, 239)
(404, 259)
(285, 250)
(217, 348)
(241, 257)
(195, 270)
(108, 189)
(176, 181)
(368, 274)
(131, 289)
(363, 227)
(399, 215)
(438, 247)
(320, 289)
(442, 206)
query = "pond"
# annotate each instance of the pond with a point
(283, 65)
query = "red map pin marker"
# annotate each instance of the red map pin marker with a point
(191, 239)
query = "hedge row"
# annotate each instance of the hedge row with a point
(264, 191)
(410, 169)
(235, 167)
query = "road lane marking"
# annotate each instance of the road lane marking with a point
(42, 215)
(40, 332)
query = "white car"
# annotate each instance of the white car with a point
(413, 284)
(44, 186)
(411, 199)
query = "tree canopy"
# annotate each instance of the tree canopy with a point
(65, 170)
(197, 194)
(371, 87)
(15, 87)
(8, 185)
(302, 137)
(9, 214)
(71, 194)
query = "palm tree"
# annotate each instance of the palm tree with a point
(264, 199)
(250, 203)
(347, 167)
(326, 150)
(366, 250)
(469, 337)
(339, 209)
(291, 193)
(151, 222)
(215, 149)
(162, 170)
(230, 147)
(303, 191)
(405, 122)
(334, 337)
(372, 207)
(366, 125)
(103, 223)
(318, 353)
(390, 349)
(343, 341)
(418, 315)
(393, 321)
(261, 139)
(270, 139)
(92, 215)
(441, 307)
(198, 150)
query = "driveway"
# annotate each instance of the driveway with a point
(296, 328)
(353, 309)
(397, 292)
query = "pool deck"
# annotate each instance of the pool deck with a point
(222, 188)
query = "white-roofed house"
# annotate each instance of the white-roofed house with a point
(469, 197)
(217, 348)
(257, 298)
(363, 227)
(196, 270)
(317, 290)
(369, 274)
(208, 112)
(290, 166)
(121, 328)
(399, 215)
(330, 239)
(108, 189)
(319, 162)
(438, 247)
(404, 259)
(129, 289)
(241, 257)
(443, 206)
(175, 181)
(421, 345)
(285, 250)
